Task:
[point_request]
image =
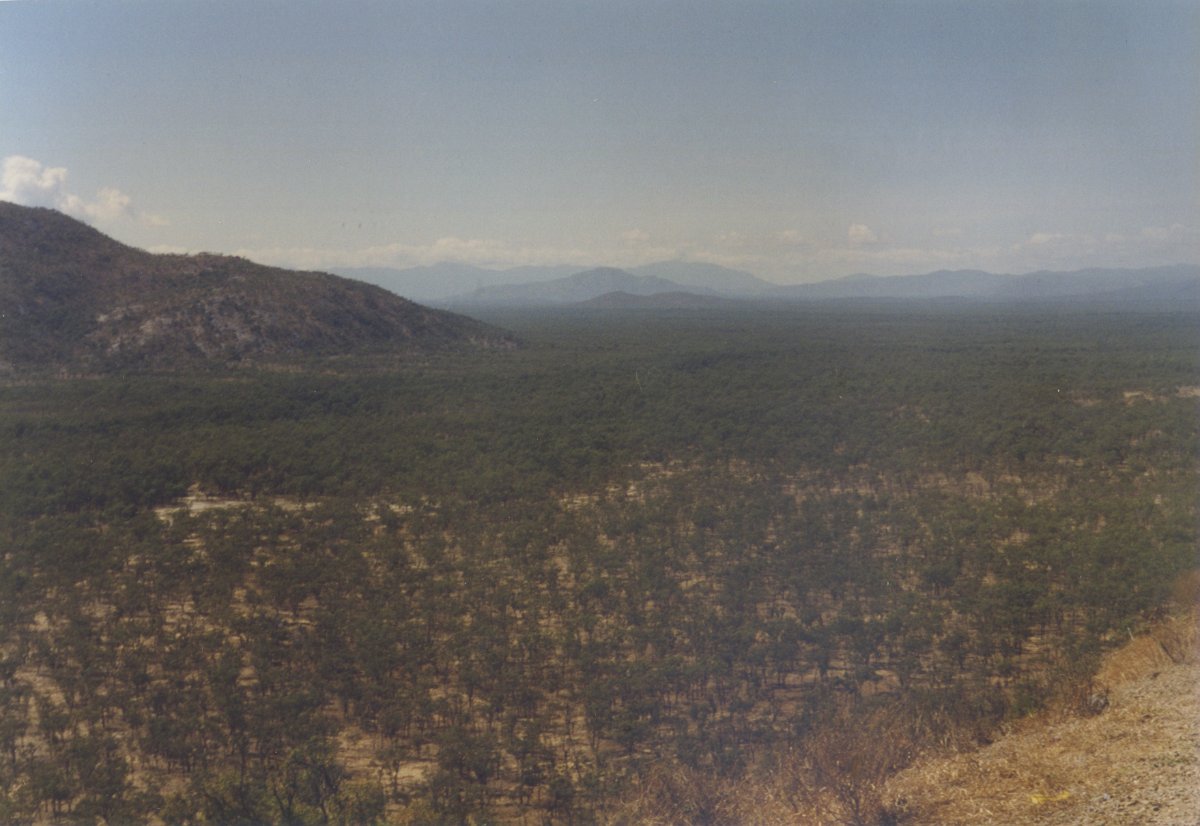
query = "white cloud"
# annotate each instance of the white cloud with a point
(153, 219)
(732, 240)
(1039, 238)
(28, 182)
(909, 259)
(25, 181)
(1173, 232)
(621, 250)
(1149, 246)
(783, 256)
(109, 204)
(1060, 248)
(861, 234)
(483, 252)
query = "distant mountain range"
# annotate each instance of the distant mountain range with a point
(73, 299)
(464, 286)
(1133, 284)
(572, 289)
(438, 282)
(657, 301)
(451, 284)
(699, 276)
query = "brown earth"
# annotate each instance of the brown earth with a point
(1135, 762)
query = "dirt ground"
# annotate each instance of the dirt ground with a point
(1135, 762)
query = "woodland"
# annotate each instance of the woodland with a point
(641, 556)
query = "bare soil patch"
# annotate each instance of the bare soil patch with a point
(1136, 762)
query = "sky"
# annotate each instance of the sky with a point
(797, 140)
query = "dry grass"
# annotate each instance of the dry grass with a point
(1133, 758)
(837, 776)
(1137, 761)
(1172, 642)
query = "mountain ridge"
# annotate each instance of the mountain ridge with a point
(448, 282)
(75, 299)
(620, 300)
(572, 289)
(979, 284)
(536, 285)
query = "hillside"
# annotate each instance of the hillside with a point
(1119, 750)
(1136, 761)
(75, 299)
(645, 561)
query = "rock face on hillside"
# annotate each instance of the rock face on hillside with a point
(72, 298)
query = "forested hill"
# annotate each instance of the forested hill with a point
(73, 299)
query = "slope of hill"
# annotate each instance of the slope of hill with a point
(421, 283)
(76, 299)
(1137, 761)
(437, 282)
(720, 550)
(1123, 750)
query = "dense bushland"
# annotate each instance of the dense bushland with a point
(542, 582)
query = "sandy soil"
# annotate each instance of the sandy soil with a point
(1136, 762)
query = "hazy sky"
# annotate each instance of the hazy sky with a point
(797, 140)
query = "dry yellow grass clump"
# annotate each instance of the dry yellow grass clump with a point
(1137, 761)
(1124, 749)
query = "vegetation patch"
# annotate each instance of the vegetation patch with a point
(627, 572)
